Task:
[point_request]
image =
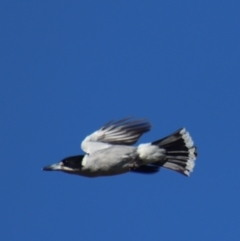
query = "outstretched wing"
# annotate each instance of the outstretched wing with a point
(123, 132)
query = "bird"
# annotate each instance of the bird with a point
(110, 151)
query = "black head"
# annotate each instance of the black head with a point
(73, 162)
(68, 164)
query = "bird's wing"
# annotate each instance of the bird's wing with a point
(122, 132)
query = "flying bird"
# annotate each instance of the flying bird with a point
(110, 151)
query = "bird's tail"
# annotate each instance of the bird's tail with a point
(180, 152)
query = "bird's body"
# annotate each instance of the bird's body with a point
(119, 160)
(109, 151)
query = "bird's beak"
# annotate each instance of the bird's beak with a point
(53, 167)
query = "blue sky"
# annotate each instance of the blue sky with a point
(67, 67)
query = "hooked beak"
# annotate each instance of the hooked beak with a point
(53, 167)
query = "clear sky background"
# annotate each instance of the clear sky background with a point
(67, 67)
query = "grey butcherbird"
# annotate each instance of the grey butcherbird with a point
(109, 151)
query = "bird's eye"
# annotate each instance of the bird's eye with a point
(66, 162)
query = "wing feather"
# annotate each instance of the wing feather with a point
(122, 132)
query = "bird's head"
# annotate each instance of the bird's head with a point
(72, 164)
